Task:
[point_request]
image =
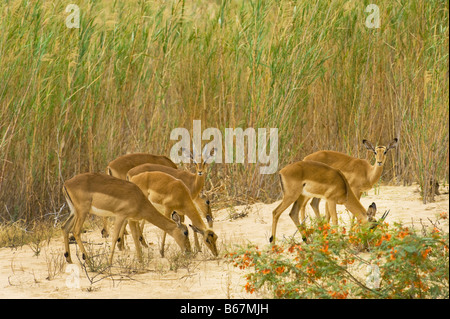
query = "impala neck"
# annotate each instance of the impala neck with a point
(153, 216)
(355, 207)
(197, 184)
(375, 173)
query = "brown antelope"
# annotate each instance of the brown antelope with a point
(361, 176)
(120, 167)
(168, 193)
(194, 182)
(103, 195)
(307, 179)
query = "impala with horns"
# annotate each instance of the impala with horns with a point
(167, 194)
(120, 167)
(194, 182)
(360, 174)
(103, 195)
(307, 179)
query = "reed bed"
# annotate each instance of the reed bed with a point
(71, 100)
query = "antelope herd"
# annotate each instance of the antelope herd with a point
(142, 187)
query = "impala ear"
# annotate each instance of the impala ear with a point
(176, 218)
(371, 211)
(369, 146)
(188, 154)
(206, 156)
(392, 144)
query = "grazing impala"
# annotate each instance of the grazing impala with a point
(103, 195)
(194, 182)
(361, 176)
(167, 194)
(306, 179)
(120, 167)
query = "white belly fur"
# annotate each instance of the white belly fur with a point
(308, 194)
(101, 212)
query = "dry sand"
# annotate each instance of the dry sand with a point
(23, 275)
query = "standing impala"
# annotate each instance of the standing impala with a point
(120, 167)
(167, 194)
(361, 176)
(103, 195)
(306, 179)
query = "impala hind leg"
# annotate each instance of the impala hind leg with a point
(315, 206)
(331, 212)
(122, 236)
(141, 234)
(105, 232)
(78, 225)
(299, 204)
(67, 228)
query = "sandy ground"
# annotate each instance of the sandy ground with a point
(23, 275)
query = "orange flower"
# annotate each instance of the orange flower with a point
(402, 234)
(279, 270)
(426, 252)
(249, 288)
(338, 295)
(293, 247)
(324, 249)
(265, 271)
(386, 237)
(277, 249)
(393, 252)
(311, 271)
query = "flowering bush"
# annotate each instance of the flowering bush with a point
(385, 262)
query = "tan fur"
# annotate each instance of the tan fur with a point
(121, 165)
(171, 193)
(360, 174)
(119, 168)
(194, 183)
(92, 193)
(306, 179)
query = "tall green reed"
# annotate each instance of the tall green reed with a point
(71, 100)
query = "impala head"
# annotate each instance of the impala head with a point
(209, 238)
(200, 165)
(181, 234)
(380, 151)
(371, 211)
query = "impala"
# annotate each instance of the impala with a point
(194, 182)
(103, 195)
(306, 179)
(360, 174)
(120, 167)
(168, 193)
